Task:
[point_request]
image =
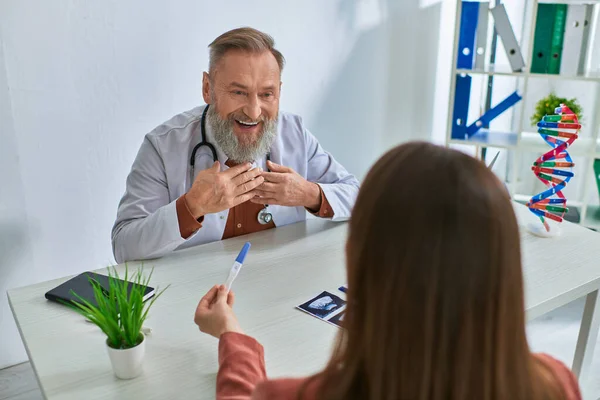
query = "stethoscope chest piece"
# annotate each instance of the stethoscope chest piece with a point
(264, 216)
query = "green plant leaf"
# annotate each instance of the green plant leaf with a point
(119, 312)
(546, 106)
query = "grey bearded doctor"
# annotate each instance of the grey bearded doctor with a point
(234, 166)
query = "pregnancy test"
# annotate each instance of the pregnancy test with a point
(237, 265)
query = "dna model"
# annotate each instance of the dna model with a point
(555, 167)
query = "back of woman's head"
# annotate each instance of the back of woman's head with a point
(435, 300)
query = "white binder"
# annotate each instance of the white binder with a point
(585, 52)
(507, 35)
(573, 40)
(481, 36)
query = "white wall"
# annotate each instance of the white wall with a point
(413, 49)
(82, 82)
(15, 256)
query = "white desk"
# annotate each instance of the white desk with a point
(284, 268)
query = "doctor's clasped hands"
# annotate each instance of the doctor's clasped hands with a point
(214, 191)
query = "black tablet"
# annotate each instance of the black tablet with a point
(81, 285)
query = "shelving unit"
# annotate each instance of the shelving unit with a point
(521, 138)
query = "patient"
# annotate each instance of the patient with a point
(435, 296)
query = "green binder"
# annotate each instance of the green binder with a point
(597, 173)
(558, 33)
(542, 40)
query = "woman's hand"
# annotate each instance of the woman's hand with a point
(214, 314)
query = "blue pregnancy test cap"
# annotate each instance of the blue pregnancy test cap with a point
(240, 258)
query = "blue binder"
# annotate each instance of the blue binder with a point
(466, 39)
(492, 113)
(462, 95)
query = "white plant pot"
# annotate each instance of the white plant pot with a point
(127, 363)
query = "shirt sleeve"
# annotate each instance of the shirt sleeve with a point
(339, 187)
(188, 225)
(241, 366)
(325, 211)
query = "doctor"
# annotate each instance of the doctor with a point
(235, 166)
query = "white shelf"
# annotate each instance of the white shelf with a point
(531, 141)
(524, 198)
(592, 216)
(583, 146)
(501, 72)
(487, 138)
(587, 77)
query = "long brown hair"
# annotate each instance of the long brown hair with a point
(435, 289)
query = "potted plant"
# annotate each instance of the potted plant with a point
(547, 105)
(120, 312)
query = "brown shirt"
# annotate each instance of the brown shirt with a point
(242, 219)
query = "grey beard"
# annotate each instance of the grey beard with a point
(229, 143)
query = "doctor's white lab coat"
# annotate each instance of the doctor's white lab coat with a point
(146, 225)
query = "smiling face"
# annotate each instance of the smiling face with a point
(243, 93)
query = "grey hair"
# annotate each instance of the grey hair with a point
(230, 144)
(246, 39)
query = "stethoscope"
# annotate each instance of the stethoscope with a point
(264, 216)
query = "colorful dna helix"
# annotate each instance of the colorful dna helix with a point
(559, 131)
